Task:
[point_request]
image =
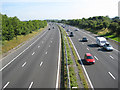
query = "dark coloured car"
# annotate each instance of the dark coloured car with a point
(84, 39)
(67, 30)
(53, 27)
(89, 58)
(49, 29)
(76, 29)
(71, 34)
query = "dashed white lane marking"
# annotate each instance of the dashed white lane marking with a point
(41, 64)
(30, 85)
(96, 57)
(111, 57)
(51, 41)
(116, 50)
(82, 43)
(82, 65)
(87, 48)
(46, 53)
(38, 46)
(33, 53)
(111, 75)
(42, 41)
(6, 85)
(21, 52)
(49, 45)
(24, 64)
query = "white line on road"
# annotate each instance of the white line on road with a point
(96, 57)
(42, 41)
(38, 46)
(46, 53)
(41, 64)
(6, 85)
(51, 41)
(87, 48)
(33, 53)
(116, 50)
(87, 34)
(58, 68)
(49, 45)
(82, 66)
(82, 43)
(30, 85)
(111, 75)
(21, 53)
(24, 64)
(111, 57)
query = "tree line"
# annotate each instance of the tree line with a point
(96, 23)
(12, 27)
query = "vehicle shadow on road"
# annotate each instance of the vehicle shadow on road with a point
(93, 45)
(83, 61)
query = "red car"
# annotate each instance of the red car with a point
(89, 58)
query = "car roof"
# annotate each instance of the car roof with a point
(88, 54)
(101, 38)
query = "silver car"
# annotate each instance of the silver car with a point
(108, 47)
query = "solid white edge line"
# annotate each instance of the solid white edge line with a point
(30, 85)
(21, 52)
(58, 60)
(24, 64)
(94, 38)
(87, 34)
(111, 75)
(96, 57)
(6, 85)
(82, 66)
(41, 63)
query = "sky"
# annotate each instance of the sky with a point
(58, 9)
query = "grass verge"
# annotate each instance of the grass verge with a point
(106, 33)
(8, 45)
(73, 80)
(81, 73)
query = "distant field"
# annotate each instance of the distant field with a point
(8, 45)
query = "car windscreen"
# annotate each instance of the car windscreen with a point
(103, 41)
(89, 57)
(108, 45)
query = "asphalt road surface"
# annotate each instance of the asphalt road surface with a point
(35, 64)
(104, 73)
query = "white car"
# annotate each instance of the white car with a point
(76, 29)
(107, 46)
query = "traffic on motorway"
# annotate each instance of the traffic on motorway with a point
(100, 53)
